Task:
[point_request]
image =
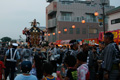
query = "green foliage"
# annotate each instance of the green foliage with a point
(6, 39)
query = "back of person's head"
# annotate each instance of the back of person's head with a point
(48, 68)
(109, 35)
(38, 66)
(52, 44)
(26, 47)
(70, 61)
(82, 57)
(57, 46)
(94, 47)
(73, 43)
(26, 66)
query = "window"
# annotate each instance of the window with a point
(84, 31)
(88, 4)
(66, 16)
(91, 18)
(66, 3)
(78, 19)
(71, 30)
(93, 31)
(77, 31)
(64, 31)
(115, 21)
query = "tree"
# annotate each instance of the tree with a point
(6, 39)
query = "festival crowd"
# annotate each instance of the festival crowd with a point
(74, 62)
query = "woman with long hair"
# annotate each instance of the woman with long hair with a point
(37, 67)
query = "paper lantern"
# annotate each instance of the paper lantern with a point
(73, 26)
(45, 34)
(65, 30)
(53, 33)
(48, 34)
(83, 21)
(59, 32)
(96, 13)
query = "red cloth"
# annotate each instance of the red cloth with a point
(1, 67)
(88, 76)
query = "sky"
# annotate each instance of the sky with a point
(15, 15)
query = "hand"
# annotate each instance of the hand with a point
(106, 76)
(59, 75)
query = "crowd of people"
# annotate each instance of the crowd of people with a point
(75, 62)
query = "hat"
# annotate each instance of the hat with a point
(96, 44)
(26, 66)
(15, 44)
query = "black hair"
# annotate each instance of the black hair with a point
(38, 65)
(94, 47)
(52, 44)
(109, 35)
(26, 46)
(48, 68)
(14, 47)
(26, 69)
(72, 43)
(57, 46)
(82, 57)
(70, 61)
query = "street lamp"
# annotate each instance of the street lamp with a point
(103, 3)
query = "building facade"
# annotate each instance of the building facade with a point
(63, 14)
(114, 19)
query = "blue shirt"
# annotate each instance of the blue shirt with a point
(23, 77)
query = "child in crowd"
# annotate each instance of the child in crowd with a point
(70, 62)
(83, 72)
(1, 70)
(47, 72)
(26, 66)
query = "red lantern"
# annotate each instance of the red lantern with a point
(53, 33)
(73, 26)
(65, 30)
(59, 32)
(48, 34)
(83, 21)
(96, 13)
(45, 34)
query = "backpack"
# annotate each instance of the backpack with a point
(26, 54)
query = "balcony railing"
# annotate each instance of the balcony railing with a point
(65, 18)
(91, 20)
(52, 23)
(79, 19)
